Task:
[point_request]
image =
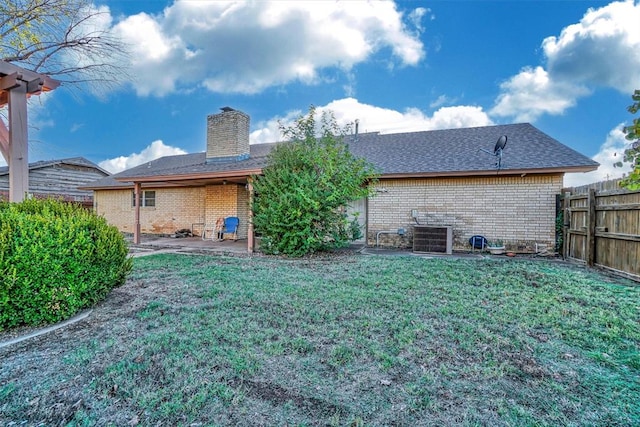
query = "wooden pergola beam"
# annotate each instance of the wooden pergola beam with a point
(10, 81)
(37, 82)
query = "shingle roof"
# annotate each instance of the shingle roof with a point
(75, 161)
(427, 153)
(186, 165)
(459, 150)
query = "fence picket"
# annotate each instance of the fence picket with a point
(602, 227)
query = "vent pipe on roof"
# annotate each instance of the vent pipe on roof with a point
(355, 139)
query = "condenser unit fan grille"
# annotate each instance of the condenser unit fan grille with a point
(434, 239)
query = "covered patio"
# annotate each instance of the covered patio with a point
(151, 245)
(216, 204)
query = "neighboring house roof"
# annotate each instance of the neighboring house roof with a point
(74, 161)
(450, 152)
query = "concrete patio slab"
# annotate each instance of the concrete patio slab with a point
(153, 245)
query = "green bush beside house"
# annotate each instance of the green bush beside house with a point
(302, 194)
(55, 260)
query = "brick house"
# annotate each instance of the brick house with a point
(434, 178)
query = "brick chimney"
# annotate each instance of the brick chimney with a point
(227, 136)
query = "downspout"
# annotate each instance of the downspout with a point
(250, 232)
(136, 226)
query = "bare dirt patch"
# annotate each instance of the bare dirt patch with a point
(32, 362)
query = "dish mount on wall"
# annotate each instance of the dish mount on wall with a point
(497, 150)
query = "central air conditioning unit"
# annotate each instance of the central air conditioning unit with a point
(433, 239)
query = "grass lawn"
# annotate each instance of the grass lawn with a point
(349, 340)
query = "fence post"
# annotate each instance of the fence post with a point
(558, 232)
(566, 223)
(591, 228)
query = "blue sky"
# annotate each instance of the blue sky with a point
(568, 67)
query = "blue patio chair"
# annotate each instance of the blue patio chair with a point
(231, 226)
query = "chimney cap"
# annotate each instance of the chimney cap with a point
(227, 109)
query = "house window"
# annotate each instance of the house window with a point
(148, 199)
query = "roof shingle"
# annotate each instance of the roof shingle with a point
(428, 153)
(459, 150)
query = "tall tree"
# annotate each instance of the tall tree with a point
(632, 154)
(69, 40)
(301, 197)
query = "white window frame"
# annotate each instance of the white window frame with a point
(147, 199)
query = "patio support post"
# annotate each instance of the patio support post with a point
(16, 85)
(4, 141)
(136, 226)
(18, 160)
(250, 232)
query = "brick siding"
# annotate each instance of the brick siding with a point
(520, 211)
(227, 135)
(228, 200)
(175, 208)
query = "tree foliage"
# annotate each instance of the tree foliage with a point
(632, 154)
(69, 40)
(301, 197)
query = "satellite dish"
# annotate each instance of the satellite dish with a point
(497, 150)
(502, 141)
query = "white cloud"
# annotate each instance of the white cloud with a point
(417, 15)
(383, 120)
(602, 50)
(532, 93)
(611, 152)
(156, 59)
(269, 130)
(442, 100)
(245, 47)
(153, 151)
(76, 127)
(460, 116)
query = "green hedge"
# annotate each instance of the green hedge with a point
(55, 259)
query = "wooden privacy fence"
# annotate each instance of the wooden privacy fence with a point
(602, 228)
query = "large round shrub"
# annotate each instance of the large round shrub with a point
(303, 191)
(55, 259)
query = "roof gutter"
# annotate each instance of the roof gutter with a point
(206, 175)
(501, 172)
(178, 180)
